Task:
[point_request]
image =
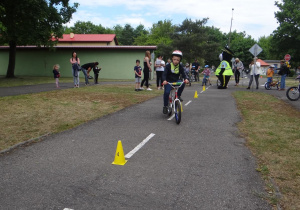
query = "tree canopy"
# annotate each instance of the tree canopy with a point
(32, 22)
(286, 38)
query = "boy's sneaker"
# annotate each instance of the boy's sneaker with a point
(141, 88)
(165, 110)
(149, 89)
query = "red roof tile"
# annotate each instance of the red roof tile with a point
(262, 63)
(88, 38)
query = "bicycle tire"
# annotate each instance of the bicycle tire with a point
(169, 109)
(293, 93)
(267, 87)
(278, 85)
(177, 112)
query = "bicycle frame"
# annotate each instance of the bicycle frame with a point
(174, 93)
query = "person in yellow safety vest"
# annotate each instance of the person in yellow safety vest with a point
(224, 70)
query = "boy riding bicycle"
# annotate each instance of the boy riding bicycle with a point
(171, 74)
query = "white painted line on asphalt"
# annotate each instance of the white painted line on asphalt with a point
(188, 103)
(172, 117)
(129, 154)
(67, 209)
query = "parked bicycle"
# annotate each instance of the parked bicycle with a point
(174, 102)
(293, 93)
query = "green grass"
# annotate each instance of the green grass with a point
(27, 80)
(271, 128)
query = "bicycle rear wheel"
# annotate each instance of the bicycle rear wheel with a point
(177, 112)
(293, 93)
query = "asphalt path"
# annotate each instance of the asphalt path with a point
(202, 163)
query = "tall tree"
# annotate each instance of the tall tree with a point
(32, 22)
(286, 38)
(81, 27)
(191, 38)
(127, 35)
(265, 43)
(240, 45)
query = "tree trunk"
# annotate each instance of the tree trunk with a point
(12, 60)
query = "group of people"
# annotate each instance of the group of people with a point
(76, 68)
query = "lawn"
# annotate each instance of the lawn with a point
(271, 128)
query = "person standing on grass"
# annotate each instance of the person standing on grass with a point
(137, 75)
(88, 67)
(75, 61)
(238, 68)
(147, 70)
(160, 66)
(56, 74)
(254, 71)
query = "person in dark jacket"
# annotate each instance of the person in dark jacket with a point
(96, 71)
(88, 67)
(283, 71)
(56, 74)
(171, 74)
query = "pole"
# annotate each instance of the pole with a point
(230, 28)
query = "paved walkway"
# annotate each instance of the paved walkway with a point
(202, 163)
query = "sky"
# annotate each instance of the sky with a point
(255, 17)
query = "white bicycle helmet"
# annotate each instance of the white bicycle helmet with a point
(177, 53)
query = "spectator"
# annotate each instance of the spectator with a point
(88, 67)
(187, 71)
(56, 74)
(254, 71)
(283, 71)
(195, 69)
(237, 68)
(160, 66)
(75, 61)
(147, 70)
(96, 71)
(138, 75)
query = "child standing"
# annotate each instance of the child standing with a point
(96, 70)
(56, 74)
(138, 75)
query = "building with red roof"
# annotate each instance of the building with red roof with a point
(117, 62)
(87, 40)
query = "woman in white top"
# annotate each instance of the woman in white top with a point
(159, 67)
(254, 71)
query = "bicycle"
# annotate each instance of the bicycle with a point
(174, 102)
(275, 83)
(293, 93)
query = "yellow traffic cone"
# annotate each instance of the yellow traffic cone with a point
(119, 157)
(181, 108)
(203, 88)
(196, 94)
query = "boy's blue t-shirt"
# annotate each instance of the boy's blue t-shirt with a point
(138, 70)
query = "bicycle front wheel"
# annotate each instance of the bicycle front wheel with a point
(293, 93)
(177, 112)
(267, 86)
